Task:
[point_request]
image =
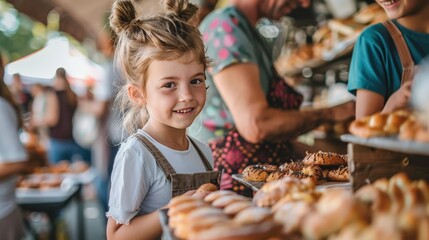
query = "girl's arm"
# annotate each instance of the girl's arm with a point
(141, 227)
(255, 120)
(368, 103)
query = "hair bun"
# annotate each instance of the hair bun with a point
(123, 14)
(182, 8)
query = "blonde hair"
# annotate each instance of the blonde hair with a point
(168, 35)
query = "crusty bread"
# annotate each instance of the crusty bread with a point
(207, 187)
(217, 194)
(400, 122)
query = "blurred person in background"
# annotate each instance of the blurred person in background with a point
(40, 94)
(251, 115)
(13, 161)
(381, 74)
(59, 114)
(20, 95)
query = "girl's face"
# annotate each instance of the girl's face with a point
(402, 8)
(175, 93)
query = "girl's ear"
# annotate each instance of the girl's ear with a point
(136, 95)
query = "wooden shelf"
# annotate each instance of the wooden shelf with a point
(370, 159)
(389, 143)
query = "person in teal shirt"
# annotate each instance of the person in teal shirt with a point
(376, 70)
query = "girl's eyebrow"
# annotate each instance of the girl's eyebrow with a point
(175, 77)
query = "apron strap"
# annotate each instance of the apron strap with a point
(403, 51)
(203, 158)
(159, 157)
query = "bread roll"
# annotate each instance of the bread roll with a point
(207, 187)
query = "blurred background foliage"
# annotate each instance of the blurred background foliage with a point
(20, 35)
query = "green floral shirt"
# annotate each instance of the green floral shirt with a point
(230, 39)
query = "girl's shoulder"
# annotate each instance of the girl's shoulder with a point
(200, 144)
(375, 32)
(133, 150)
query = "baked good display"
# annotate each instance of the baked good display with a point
(340, 174)
(402, 123)
(379, 124)
(331, 166)
(395, 208)
(255, 173)
(324, 158)
(40, 182)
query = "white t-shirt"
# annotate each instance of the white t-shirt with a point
(138, 184)
(11, 150)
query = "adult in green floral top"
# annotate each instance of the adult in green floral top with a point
(251, 114)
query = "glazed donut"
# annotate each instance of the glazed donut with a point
(297, 170)
(313, 171)
(255, 173)
(277, 175)
(324, 158)
(269, 167)
(340, 174)
(294, 166)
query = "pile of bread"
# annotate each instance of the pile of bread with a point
(401, 123)
(220, 215)
(63, 167)
(316, 166)
(50, 176)
(40, 181)
(327, 37)
(395, 208)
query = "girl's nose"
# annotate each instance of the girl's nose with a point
(185, 94)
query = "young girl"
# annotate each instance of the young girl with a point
(384, 57)
(163, 61)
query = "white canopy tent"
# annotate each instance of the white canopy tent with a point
(40, 66)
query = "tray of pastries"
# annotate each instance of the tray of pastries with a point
(78, 171)
(291, 208)
(401, 130)
(326, 169)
